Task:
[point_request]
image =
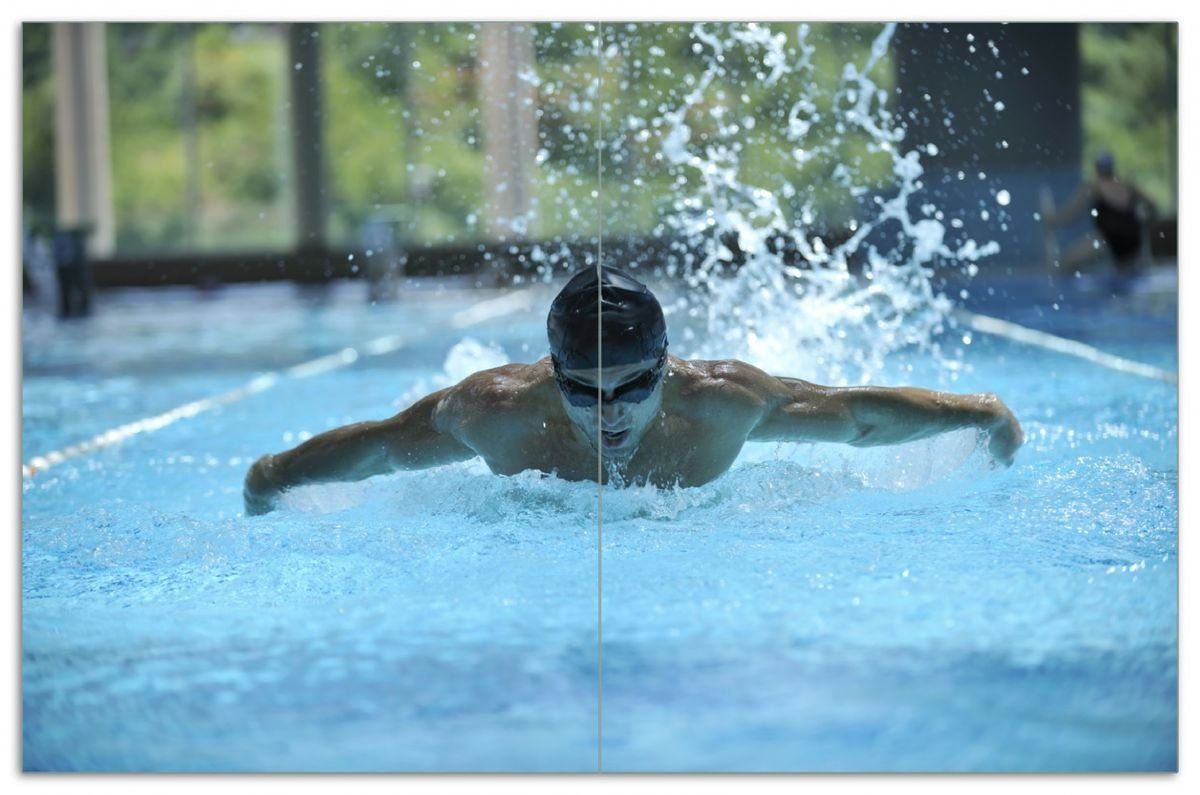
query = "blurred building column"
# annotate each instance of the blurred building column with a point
(308, 148)
(83, 164)
(509, 126)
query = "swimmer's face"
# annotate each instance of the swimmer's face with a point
(632, 397)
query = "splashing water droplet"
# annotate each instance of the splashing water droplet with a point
(773, 287)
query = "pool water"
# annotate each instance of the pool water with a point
(816, 608)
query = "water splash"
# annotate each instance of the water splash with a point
(466, 357)
(838, 314)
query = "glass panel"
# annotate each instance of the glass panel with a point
(200, 151)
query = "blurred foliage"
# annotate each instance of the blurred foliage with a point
(1130, 103)
(201, 149)
(148, 157)
(403, 129)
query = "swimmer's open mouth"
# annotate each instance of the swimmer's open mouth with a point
(614, 438)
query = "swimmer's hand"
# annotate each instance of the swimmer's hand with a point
(260, 492)
(1005, 436)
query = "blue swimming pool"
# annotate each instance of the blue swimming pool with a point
(816, 608)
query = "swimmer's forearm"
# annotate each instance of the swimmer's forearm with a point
(904, 414)
(352, 452)
(869, 416)
(410, 440)
(349, 453)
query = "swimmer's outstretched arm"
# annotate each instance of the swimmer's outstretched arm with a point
(413, 439)
(1075, 206)
(867, 416)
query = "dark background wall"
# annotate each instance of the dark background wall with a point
(1036, 138)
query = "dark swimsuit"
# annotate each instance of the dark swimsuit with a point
(1121, 228)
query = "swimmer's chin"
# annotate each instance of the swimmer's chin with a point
(620, 449)
(615, 446)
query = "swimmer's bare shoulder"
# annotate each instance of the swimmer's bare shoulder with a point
(496, 403)
(723, 390)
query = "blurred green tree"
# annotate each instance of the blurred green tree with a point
(402, 129)
(1130, 103)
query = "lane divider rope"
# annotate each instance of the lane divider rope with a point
(1051, 342)
(472, 316)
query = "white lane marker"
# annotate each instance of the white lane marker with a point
(323, 364)
(1040, 339)
(492, 309)
(147, 424)
(472, 316)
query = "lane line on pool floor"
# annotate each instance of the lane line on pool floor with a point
(1051, 342)
(472, 316)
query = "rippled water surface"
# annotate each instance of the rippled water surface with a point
(817, 608)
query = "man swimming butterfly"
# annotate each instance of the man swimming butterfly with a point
(653, 418)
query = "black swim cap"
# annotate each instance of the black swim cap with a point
(634, 329)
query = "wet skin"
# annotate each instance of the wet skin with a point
(687, 431)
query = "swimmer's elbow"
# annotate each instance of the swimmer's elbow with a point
(425, 453)
(423, 436)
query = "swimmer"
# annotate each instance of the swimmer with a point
(1114, 204)
(649, 416)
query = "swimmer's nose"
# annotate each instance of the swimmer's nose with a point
(610, 411)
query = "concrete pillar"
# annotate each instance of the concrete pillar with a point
(509, 107)
(1013, 114)
(83, 160)
(308, 150)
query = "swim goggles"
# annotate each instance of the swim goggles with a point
(635, 391)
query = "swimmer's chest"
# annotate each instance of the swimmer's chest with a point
(549, 447)
(684, 451)
(675, 450)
